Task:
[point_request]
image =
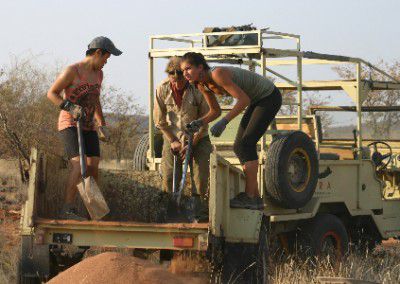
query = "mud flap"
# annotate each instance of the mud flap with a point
(243, 226)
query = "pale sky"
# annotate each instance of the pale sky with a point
(60, 30)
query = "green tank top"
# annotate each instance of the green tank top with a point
(254, 85)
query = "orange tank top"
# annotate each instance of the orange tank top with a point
(85, 93)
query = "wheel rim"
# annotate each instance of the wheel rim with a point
(299, 170)
(331, 244)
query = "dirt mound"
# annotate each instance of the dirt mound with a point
(137, 196)
(111, 267)
(134, 196)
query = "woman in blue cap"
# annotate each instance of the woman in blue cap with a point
(80, 84)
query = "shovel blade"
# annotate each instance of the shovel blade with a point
(93, 198)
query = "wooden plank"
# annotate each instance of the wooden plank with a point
(337, 85)
(317, 85)
(183, 226)
(29, 206)
(314, 109)
(315, 55)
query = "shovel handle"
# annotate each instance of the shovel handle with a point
(82, 159)
(174, 174)
(185, 167)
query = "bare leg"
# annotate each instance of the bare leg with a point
(73, 180)
(250, 169)
(93, 167)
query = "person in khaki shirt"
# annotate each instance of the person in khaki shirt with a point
(177, 103)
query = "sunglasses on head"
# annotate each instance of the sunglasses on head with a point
(176, 72)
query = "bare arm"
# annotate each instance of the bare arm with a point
(64, 80)
(223, 78)
(170, 136)
(203, 110)
(160, 117)
(214, 108)
(98, 113)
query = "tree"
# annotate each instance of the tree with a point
(225, 100)
(380, 124)
(27, 118)
(124, 119)
(309, 99)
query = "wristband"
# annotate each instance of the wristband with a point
(66, 105)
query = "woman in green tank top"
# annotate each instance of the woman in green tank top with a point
(255, 93)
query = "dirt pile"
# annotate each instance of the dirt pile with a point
(134, 196)
(137, 196)
(111, 267)
(130, 195)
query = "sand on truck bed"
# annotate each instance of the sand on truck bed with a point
(111, 267)
(130, 195)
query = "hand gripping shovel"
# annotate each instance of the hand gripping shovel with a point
(88, 189)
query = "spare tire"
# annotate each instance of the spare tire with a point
(291, 170)
(140, 154)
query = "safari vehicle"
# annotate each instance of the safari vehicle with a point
(332, 191)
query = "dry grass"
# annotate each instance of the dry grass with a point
(11, 198)
(380, 266)
(9, 254)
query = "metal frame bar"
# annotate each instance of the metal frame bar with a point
(359, 130)
(379, 70)
(151, 104)
(240, 55)
(314, 109)
(299, 87)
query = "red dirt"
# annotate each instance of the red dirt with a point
(111, 267)
(9, 228)
(391, 243)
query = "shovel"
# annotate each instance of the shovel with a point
(192, 204)
(175, 175)
(177, 193)
(88, 189)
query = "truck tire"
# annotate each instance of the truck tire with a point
(29, 280)
(262, 255)
(238, 263)
(291, 170)
(34, 265)
(140, 154)
(364, 234)
(324, 235)
(247, 263)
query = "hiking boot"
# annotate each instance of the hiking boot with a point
(196, 209)
(69, 213)
(242, 200)
(260, 203)
(202, 212)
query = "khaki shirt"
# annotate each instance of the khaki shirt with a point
(167, 115)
